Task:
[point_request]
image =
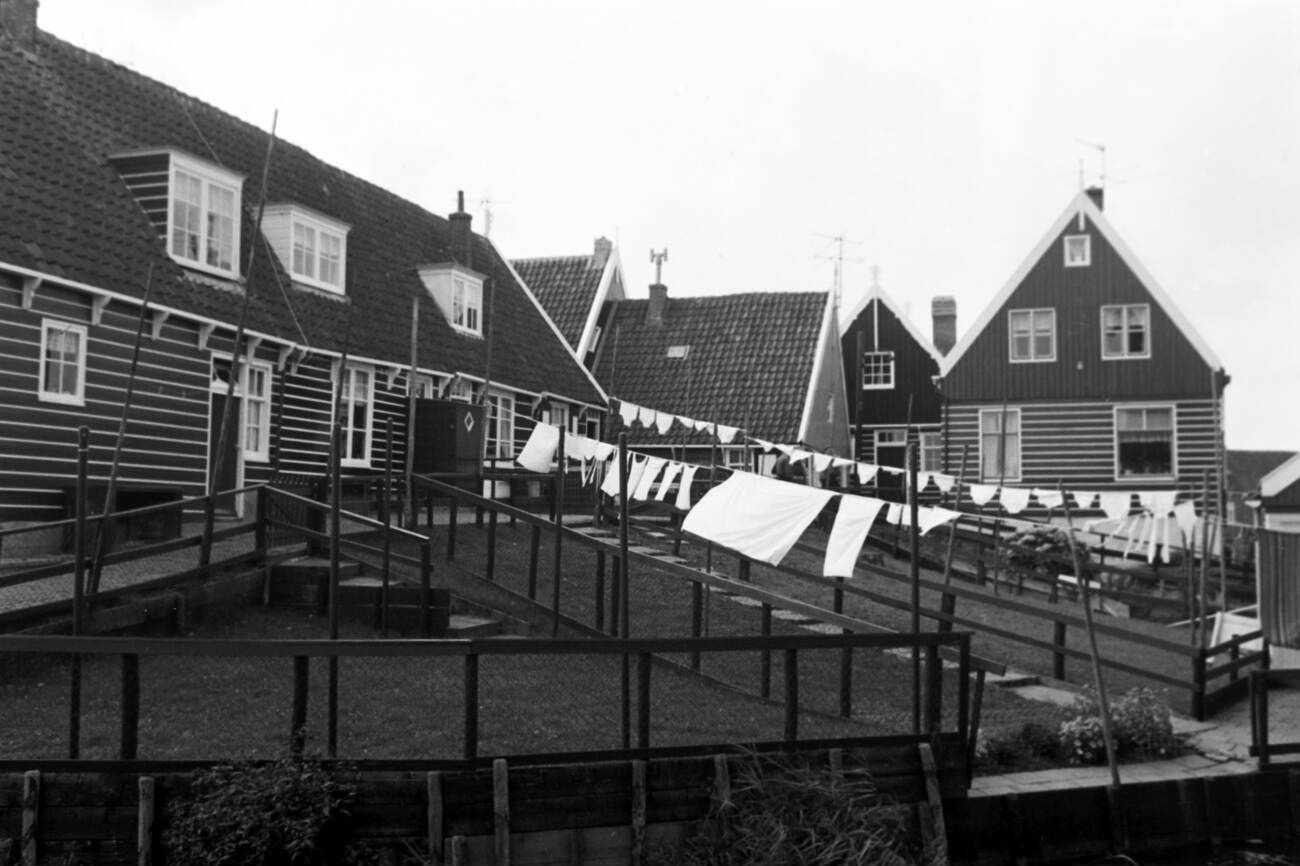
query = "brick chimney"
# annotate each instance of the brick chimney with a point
(943, 314)
(462, 238)
(654, 314)
(18, 20)
(600, 255)
(1098, 196)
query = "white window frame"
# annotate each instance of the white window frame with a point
(44, 393)
(467, 305)
(209, 177)
(499, 412)
(1019, 446)
(931, 448)
(263, 454)
(320, 230)
(1124, 354)
(882, 364)
(461, 389)
(890, 437)
(1033, 313)
(735, 458)
(347, 394)
(556, 413)
(1173, 441)
(1085, 241)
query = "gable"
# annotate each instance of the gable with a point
(880, 326)
(1179, 362)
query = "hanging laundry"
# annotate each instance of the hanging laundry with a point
(1116, 505)
(798, 454)
(923, 480)
(576, 447)
(610, 485)
(849, 533)
(943, 482)
(821, 462)
(726, 434)
(605, 450)
(1153, 538)
(757, 516)
(684, 487)
(1014, 499)
(1167, 552)
(894, 515)
(980, 494)
(628, 412)
(540, 448)
(647, 417)
(1048, 498)
(687, 423)
(589, 468)
(670, 475)
(1185, 514)
(764, 444)
(892, 470)
(645, 481)
(1083, 499)
(704, 427)
(664, 422)
(1158, 502)
(928, 517)
(841, 462)
(866, 472)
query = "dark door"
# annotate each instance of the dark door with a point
(890, 485)
(228, 478)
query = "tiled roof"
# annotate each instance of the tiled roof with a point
(67, 213)
(749, 361)
(1246, 468)
(566, 286)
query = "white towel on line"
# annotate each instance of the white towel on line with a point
(756, 516)
(646, 480)
(628, 412)
(670, 474)
(684, 487)
(1116, 505)
(1014, 499)
(849, 533)
(647, 416)
(980, 494)
(540, 448)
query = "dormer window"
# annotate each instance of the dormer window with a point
(458, 292)
(203, 216)
(311, 246)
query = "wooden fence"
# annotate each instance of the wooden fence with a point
(1262, 746)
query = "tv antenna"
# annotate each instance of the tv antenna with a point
(1101, 149)
(487, 201)
(837, 284)
(657, 259)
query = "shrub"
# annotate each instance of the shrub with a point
(276, 813)
(1031, 746)
(1042, 550)
(792, 813)
(1139, 720)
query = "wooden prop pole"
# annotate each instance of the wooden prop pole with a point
(410, 511)
(914, 569)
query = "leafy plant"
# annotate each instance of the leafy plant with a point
(277, 813)
(1139, 720)
(794, 813)
(1043, 550)
(1030, 746)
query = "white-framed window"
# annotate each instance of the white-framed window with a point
(1078, 251)
(203, 216)
(424, 387)
(891, 436)
(557, 415)
(500, 426)
(931, 452)
(1032, 334)
(462, 390)
(877, 370)
(735, 458)
(1126, 331)
(317, 257)
(1144, 442)
(257, 412)
(63, 363)
(356, 408)
(458, 292)
(1000, 445)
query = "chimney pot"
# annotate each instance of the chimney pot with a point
(1098, 196)
(462, 237)
(654, 316)
(943, 315)
(18, 19)
(600, 254)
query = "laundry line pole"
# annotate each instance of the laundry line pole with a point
(914, 568)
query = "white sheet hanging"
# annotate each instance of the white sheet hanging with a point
(943, 482)
(647, 417)
(540, 448)
(670, 475)
(1116, 505)
(764, 444)
(821, 462)
(757, 516)
(849, 533)
(684, 487)
(687, 423)
(980, 494)
(727, 434)
(628, 412)
(645, 481)
(928, 517)
(1014, 499)
(1158, 502)
(1185, 514)
(609, 486)
(894, 515)
(866, 472)
(605, 450)
(1083, 499)
(1048, 498)
(664, 422)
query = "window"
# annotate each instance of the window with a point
(458, 292)
(735, 458)
(204, 216)
(1033, 334)
(1126, 331)
(424, 389)
(63, 363)
(462, 390)
(500, 426)
(317, 256)
(877, 370)
(1000, 445)
(557, 415)
(931, 452)
(257, 412)
(678, 352)
(1078, 251)
(356, 410)
(891, 437)
(1144, 441)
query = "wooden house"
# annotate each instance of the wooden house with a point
(1277, 500)
(765, 362)
(889, 373)
(115, 185)
(573, 291)
(1083, 371)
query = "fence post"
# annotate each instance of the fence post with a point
(1198, 685)
(742, 569)
(1058, 658)
(765, 657)
(615, 596)
(791, 695)
(453, 518)
(31, 816)
(846, 677)
(643, 700)
(144, 821)
(471, 706)
(600, 590)
(560, 460)
(261, 532)
(298, 714)
(426, 578)
(697, 619)
(934, 692)
(500, 812)
(534, 549)
(491, 567)
(130, 731)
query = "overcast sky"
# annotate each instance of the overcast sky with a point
(939, 139)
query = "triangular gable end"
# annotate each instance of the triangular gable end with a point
(1280, 478)
(879, 294)
(827, 358)
(1082, 203)
(613, 268)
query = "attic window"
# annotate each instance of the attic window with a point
(311, 246)
(203, 216)
(877, 370)
(458, 293)
(1078, 251)
(678, 351)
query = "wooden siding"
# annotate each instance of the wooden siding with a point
(148, 177)
(914, 369)
(1074, 444)
(985, 372)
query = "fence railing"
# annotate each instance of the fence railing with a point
(1262, 743)
(154, 702)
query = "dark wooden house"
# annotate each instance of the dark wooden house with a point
(889, 373)
(113, 184)
(1082, 370)
(1277, 499)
